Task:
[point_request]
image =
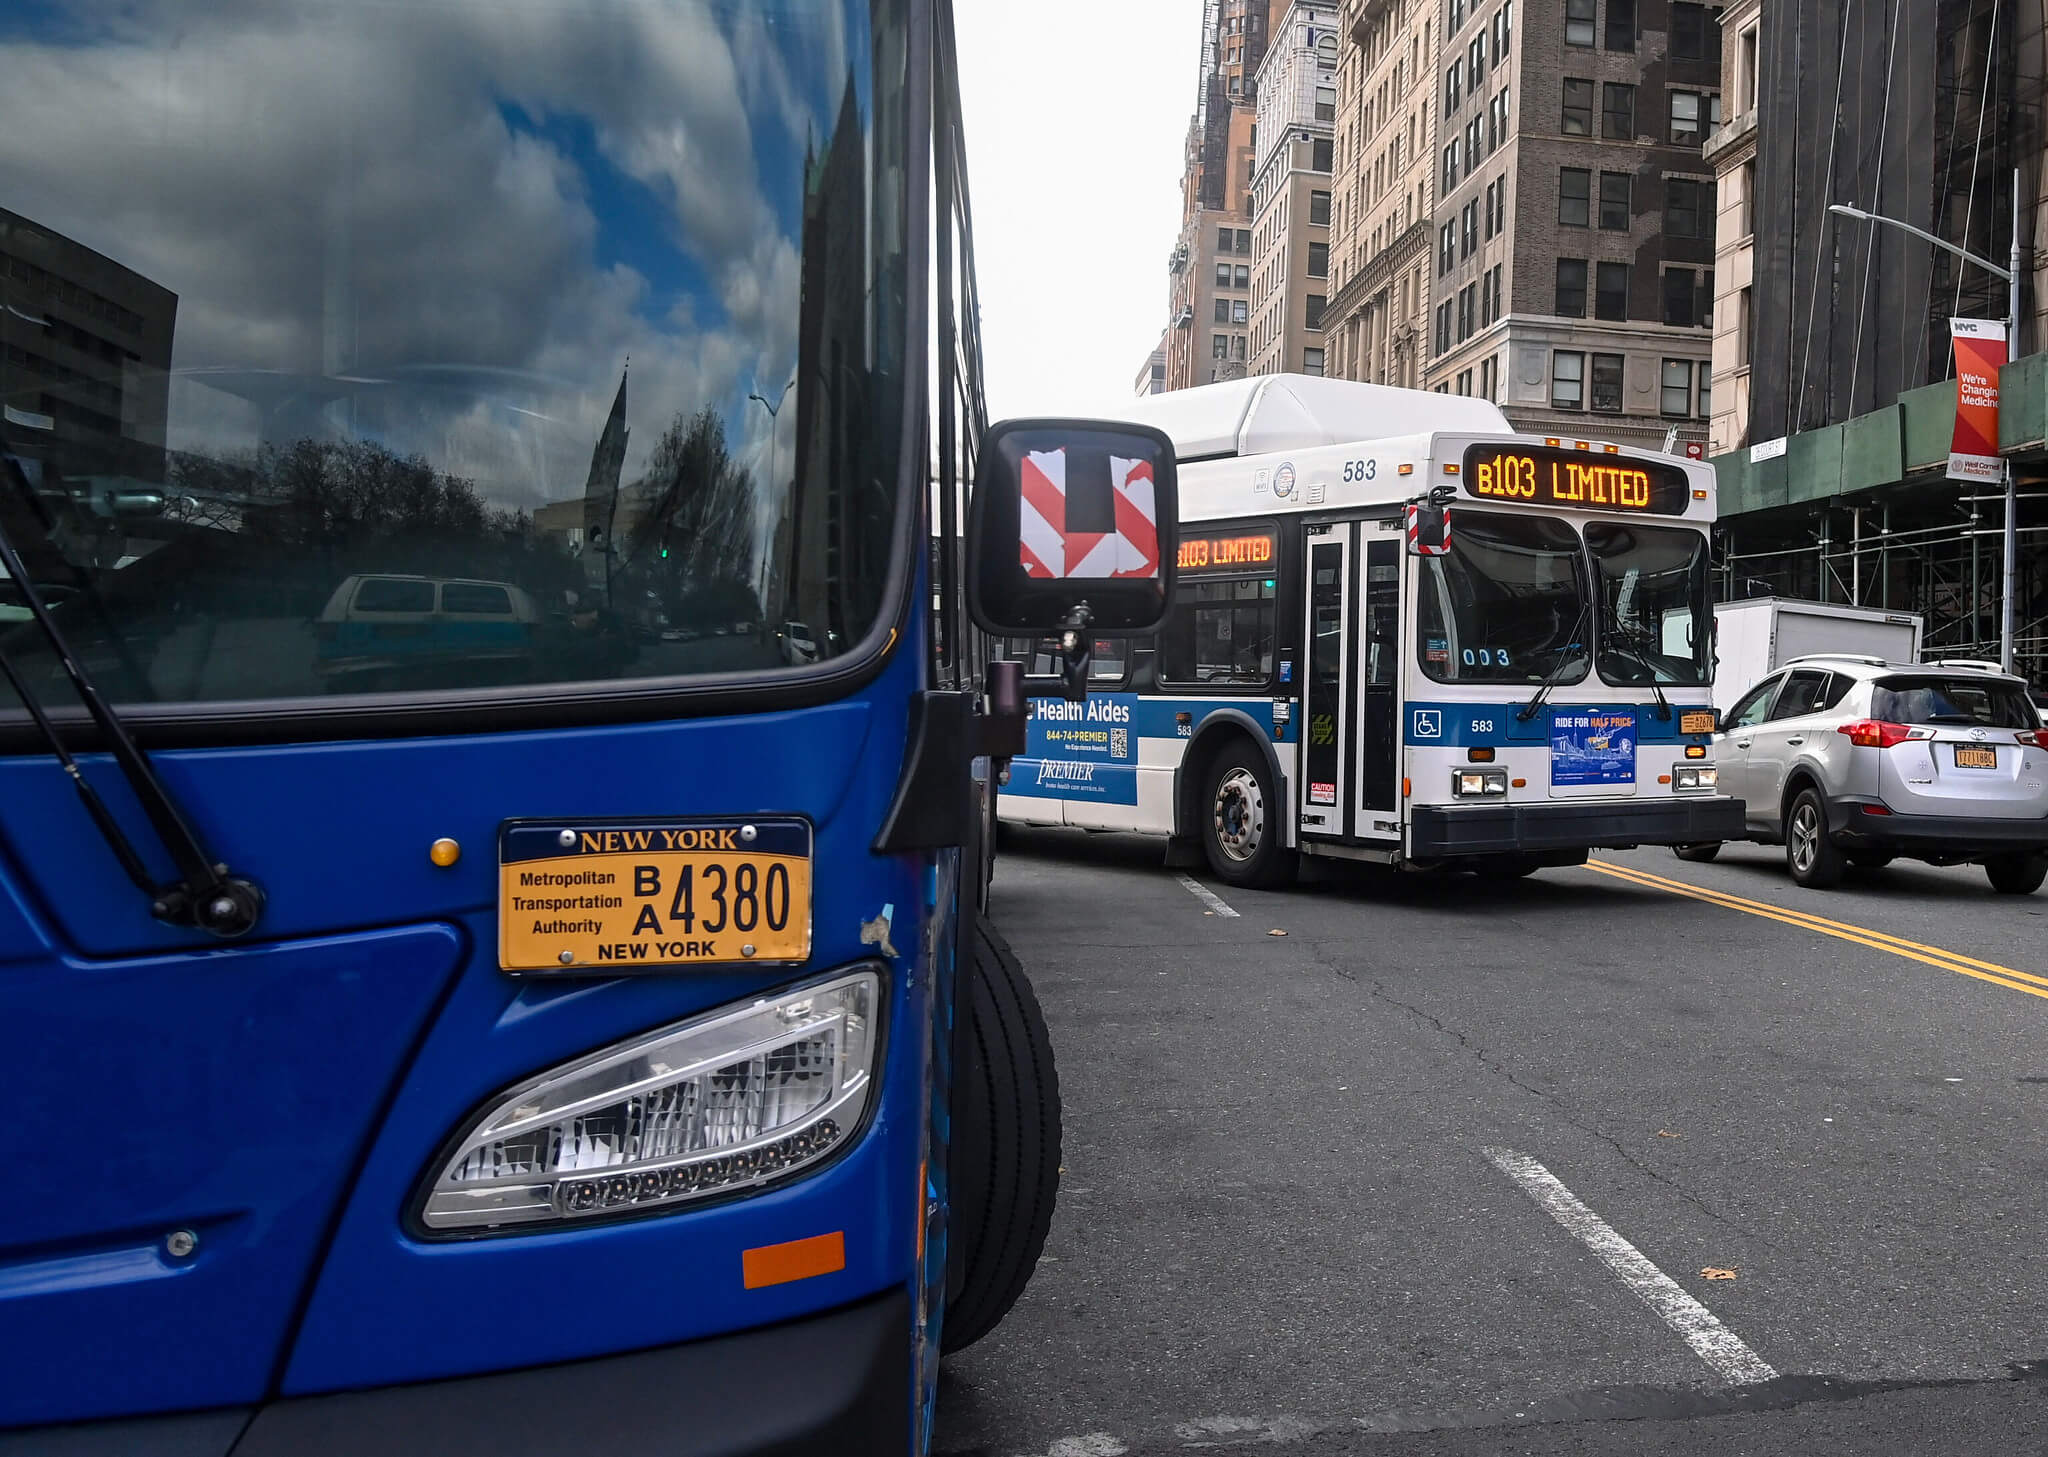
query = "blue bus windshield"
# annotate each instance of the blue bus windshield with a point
(451, 345)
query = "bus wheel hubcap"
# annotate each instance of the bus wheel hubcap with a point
(1240, 814)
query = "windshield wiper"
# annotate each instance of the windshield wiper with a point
(206, 895)
(1556, 674)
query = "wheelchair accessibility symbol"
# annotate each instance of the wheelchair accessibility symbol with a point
(1429, 723)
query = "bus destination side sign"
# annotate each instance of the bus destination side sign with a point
(1541, 476)
(618, 896)
(1251, 551)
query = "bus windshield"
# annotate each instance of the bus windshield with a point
(1506, 604)
(1655, 618)
(370, 348)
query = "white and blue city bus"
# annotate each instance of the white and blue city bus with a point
(1402, 633)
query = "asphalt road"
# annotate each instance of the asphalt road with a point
(1441, 1168)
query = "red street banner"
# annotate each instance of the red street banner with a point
(1980, 354)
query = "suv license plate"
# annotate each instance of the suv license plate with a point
(620, 896)
(1976, 758)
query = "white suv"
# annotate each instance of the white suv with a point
(1850, 761)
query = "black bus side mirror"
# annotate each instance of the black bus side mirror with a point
(1073, 528)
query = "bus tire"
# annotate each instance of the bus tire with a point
(1240, 813)
(1004, 1168)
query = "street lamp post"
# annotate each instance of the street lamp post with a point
(773, 430)
(2011, 275)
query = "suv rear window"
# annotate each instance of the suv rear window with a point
(1952, 700)
(475, 597)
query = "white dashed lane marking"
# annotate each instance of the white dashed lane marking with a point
(1205, 895)
(1711, 1341)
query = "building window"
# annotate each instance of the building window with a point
(1443, 326)
(1685, 117)
(1688, 207)
(1326, 103)
(1492, 289)
(1615, 208)
(1618, 112)
(1313, 315)
(1743, 325)
(1223, 311)
(1706, 393)
(1578, 108)
(1571, 288)
(1695, 36)
(1607, 383)
(1567, 380)
(1311, 361)
(1472, 149)
(1319, 208)
(1475, 61)
(1680, 297)
(1492, 213)
(1453, 86)
(1319, 260)
(1223, 240)
(1468, 232)
(1450, 171)
(1574, 196)
(1747, 182)
(1244, 240)
(1621, 25)
(1219, 346)
(1457, 14)
(1319, 154)
(1610, 297)
(1676, 396)
(1745, 83)
(1578, 22)
(1237, 346)
(1237, 311)
(1464, 381)
(1468, 311)
(1223, 275)
(1446, 248)
(1243, 277)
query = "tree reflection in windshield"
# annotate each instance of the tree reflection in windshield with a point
(446, 346)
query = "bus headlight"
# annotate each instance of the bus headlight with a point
(734, 1098)
(1694, 776)
(1478, 783)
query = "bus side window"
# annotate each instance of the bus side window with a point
(1111, 660)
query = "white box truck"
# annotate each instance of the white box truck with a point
(1753, 637)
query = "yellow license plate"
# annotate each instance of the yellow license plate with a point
(619, 896)
(1696, 721)
(1976, 758)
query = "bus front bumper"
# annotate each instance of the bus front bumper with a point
(829, 1384)
(1445, 831)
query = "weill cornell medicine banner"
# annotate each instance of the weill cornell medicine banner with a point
(1980, 354)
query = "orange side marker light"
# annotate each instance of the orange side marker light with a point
(800, 1259)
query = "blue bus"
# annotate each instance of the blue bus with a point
(494, 772)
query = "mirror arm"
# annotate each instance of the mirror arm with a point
(1077, 648)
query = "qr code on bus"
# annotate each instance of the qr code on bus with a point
(1119, 743)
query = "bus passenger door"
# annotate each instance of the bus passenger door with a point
(1325, 725)
(1377, 741)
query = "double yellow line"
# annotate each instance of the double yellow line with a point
(1991, 971)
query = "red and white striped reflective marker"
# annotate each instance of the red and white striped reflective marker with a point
(1416, 545)
(1047, 549)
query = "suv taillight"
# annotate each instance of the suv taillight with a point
(1875, 733)
(2033, 738)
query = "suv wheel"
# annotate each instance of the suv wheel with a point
(1813, 858)
(2016, 874)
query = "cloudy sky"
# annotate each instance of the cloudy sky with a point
(1075, 119)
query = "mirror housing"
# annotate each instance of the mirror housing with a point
(1073, 528)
